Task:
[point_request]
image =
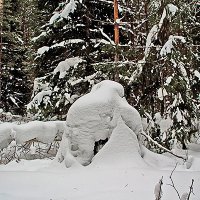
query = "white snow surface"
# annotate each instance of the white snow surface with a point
(46, 179)
(117, 171)
(94, 116)
(122, 144)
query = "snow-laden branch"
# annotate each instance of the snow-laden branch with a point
(161, 147)
(106, 36)
(168, 46)
(69, 8)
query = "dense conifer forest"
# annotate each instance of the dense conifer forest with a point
(53, 52)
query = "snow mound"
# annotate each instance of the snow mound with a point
(159, 161)
(5, 134)
(94, 116)
(41, 131)
(121, 150)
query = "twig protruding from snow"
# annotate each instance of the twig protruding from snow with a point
(158, 189)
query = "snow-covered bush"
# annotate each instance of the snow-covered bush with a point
(31, 140)
(94, 117)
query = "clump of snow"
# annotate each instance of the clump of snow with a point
(36, 101)
(178, 115)
(153, 33)
(172, 9)
(39, 84)
(54, 17)
(168, 46)
(64, 66)
(13, 100)
(162, 93)
(151, 37)
(94, 116)
(32, 149)
(42, 50)
(34, 39)
(168, 81)
(165, 124)
(197, 74)
(184, 196)
(69, 8)
(74, 41)
(65, 154)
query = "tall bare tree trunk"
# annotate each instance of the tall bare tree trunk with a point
(116, 35)
(1, 46)
(146, 16)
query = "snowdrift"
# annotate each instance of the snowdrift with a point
(122, 149)
(101, 114)
(41, 131)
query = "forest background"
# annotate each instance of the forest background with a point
(53, 52)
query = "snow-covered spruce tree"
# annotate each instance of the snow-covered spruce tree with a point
(14, 82)
(169, 76)
(86, 32)
(71, 42)
(134, 24)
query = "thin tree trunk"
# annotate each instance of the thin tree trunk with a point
(116, 35)
(146, 16)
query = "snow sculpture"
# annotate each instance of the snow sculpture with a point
(93, 117)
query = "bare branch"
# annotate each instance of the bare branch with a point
(161, 147)
(191, 189)
(173, 185)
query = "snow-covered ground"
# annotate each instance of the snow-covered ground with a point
(122, 170)
(45, 180)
